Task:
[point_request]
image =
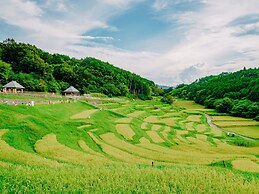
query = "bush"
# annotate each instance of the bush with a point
(223, 105)
(168, 99)
(144, 97)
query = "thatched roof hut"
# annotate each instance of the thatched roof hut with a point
(71, 91)
(13, 87)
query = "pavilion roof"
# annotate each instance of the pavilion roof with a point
(71, 89)
(13, 84)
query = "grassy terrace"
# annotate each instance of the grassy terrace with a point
(110, 147)
(31, 96)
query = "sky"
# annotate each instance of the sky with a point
(167, 41)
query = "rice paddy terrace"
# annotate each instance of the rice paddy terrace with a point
(142, 146)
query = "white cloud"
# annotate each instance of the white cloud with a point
(120, 3)
(209, 40)
(52, 33)
(160, 4)
(205, 36)
(57, 5)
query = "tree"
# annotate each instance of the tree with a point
(111, 90)
(5, 72)
(245, 108)
(223, 105)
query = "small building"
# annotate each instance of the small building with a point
(71, 91)
(13, 87)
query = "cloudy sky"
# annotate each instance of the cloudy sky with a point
(167, 41)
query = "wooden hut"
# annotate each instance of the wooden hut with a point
(71, 91)
(13, 87)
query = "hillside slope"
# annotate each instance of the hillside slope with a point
(38, 70)
(235, 93)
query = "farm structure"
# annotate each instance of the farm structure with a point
(13, 87)
(71, 91)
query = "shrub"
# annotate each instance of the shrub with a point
(168, 99)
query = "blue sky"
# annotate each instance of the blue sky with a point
(167, 41)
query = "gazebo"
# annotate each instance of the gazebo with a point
(13, 87)
(71, 91)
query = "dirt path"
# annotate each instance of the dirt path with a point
(209, 121)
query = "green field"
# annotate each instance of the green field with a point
(110, 147)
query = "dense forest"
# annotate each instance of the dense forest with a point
(235, 93)
(38, 70)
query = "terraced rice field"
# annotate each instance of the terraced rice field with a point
(125, 130)
(245, 165)
(194, 118)
(236, 123)
(49, 146)
(189, 105)
(155, 136)
(242, 126)
(201, 127)
(251, 131)
(136, 114)
(137, 135)
(228, 118)
(124, 120)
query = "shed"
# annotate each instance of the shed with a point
(71, 91)
(13, 87)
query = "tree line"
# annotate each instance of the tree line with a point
(38, 70)
(235, 93)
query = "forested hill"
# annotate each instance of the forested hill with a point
(235, 93)
(38, 70)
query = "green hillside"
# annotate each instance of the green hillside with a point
(236, 93)
(123, 146)
(38, 70)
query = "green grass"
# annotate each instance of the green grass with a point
(27, 97)
(222, 164)
(243, 142)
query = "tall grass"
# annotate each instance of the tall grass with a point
(122, 178)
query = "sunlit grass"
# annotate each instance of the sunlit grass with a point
(155, 137)
(49, 146)
(125, 130)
